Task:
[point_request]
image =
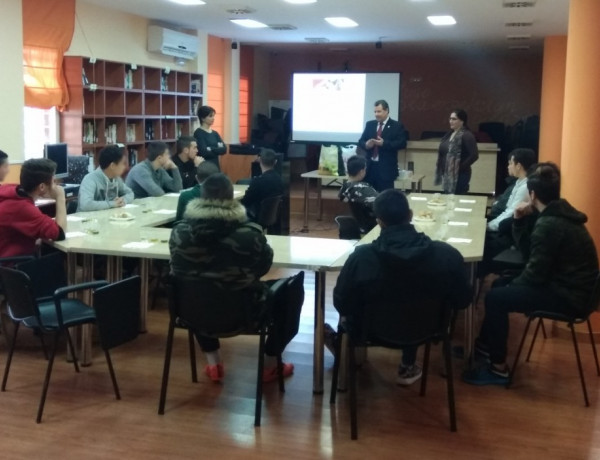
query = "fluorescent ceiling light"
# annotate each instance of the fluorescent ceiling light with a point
(341, 22)
(189, 2)
(441, 20)
(300, 2)
(249, 23)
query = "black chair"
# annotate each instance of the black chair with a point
(8, 262)
(348, 228)
(269, 211)
(207, 309)
(571, 320)
(117, 308)
(363, 215)
(416, 316)
(53, 316)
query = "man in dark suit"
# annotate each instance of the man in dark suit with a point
(381, 139)
(266, 185)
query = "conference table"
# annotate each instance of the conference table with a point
(413, 183)
(138, 234)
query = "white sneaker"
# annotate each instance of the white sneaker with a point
(407, 375)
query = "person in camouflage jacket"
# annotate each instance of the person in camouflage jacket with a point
(216, 242)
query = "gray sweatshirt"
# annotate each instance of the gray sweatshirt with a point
(97, 191)
(145, 181)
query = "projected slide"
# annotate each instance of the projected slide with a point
(333, 107)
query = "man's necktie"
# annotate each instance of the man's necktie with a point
(376, 148)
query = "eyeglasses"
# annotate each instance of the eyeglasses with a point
(453, 118)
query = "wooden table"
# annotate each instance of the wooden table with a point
(140, 238)
(415, 182)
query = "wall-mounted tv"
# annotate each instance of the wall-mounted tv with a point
(334, 107)
(58, 154)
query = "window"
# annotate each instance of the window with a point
(40, 127)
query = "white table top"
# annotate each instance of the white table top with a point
(399, 182)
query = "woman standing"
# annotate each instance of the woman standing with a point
(210, 144)
(456, 154)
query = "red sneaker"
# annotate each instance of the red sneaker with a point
(270, 375)
(215, 372)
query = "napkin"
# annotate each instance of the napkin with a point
(466, 201)
(418, 198)
(458, 224)
(72, 218)
(463, 209)
(74, 234)
(458, 240)
(164, 211)
(129, 206)
(138, 245)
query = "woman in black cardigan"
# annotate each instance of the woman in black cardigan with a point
(210, 144)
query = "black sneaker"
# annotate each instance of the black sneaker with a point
(407, 375)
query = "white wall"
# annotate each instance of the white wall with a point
(112, 35)
(12, 94)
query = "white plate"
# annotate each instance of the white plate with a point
(122, 218)
(423, 220)
(436, 204)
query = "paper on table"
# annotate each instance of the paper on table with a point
(71, 218)
(466, 201)
(418, 198)
(458, 240)
(128, 206)
(164, 211)
(172, 194)
(463, 209)
(138, 245)
(74, 234)
(458, 224)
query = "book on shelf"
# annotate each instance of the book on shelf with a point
(195, 107)
(195, 86)
(129, 78)
(130, 134)
(111, 134)
(133, 157)
(90, 135)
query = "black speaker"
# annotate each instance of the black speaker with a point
(234, 45)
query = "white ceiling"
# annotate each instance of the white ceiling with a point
(399, 24)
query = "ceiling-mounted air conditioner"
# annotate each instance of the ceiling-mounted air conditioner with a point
(172, 43)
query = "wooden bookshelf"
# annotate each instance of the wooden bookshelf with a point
(128, 104)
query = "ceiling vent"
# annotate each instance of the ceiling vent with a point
(317, 40)
(241, 11)
(282, 27)
(518, 37)
(518, 24)
(518, 4)
(519, 47)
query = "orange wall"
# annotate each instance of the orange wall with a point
(553, 98)
(13, 174)
(503, 89)
(580, 161)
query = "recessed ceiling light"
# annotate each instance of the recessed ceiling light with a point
(189, 2)
(249, 23)
(300, 2)
(341, 22)
(441, 20)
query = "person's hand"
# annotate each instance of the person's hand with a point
(118, 202)
(523, 209)
(378, 141)
(370, 143)
(56, 192)
(197, 160)
(170, 165)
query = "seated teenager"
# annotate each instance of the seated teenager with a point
(203, 171)
(399, 249)
(215, 241)
(187, 160)
(358, 193)
(266, 185)
(156, 175)
(561, 268)
(4, 166)
(22, 224)
(104, 188)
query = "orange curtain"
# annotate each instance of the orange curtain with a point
(47, 32)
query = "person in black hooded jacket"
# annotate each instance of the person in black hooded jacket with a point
(403, 250)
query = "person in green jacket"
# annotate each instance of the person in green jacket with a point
(203, 170)
(561, 269)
